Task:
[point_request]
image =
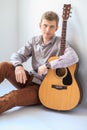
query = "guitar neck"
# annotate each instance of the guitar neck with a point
(63, 37)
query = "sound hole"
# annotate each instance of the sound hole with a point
(61, 72)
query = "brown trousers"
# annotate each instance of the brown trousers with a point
(26, 94)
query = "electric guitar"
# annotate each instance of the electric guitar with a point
(60, 90)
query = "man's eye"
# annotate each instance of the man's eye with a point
(45, 25)
(52, 27)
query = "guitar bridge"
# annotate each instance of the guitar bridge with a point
(59, 87)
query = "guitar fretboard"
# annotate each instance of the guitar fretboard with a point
(63, 37)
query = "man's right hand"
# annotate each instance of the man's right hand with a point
(20, 75)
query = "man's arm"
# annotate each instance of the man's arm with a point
(70, 57)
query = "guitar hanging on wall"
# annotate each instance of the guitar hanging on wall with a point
(59, 90)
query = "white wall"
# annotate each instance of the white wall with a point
(14, 29)
(8, 28)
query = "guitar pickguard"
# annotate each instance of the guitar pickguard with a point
(67, 80)
(65, 75)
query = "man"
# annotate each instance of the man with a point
(40, 48)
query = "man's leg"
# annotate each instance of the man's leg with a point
(23, 97)
(26, 95)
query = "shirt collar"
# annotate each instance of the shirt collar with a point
(51, 40)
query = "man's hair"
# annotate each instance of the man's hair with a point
(50, 15)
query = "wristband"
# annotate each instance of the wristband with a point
(18, 65)
(48, 65)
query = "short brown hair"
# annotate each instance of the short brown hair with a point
(50, 15)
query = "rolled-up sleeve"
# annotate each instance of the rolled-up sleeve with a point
(70, 57)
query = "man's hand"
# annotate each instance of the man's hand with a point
(20, 75)
(42, 70)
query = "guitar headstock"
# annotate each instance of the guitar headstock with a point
(66, 11)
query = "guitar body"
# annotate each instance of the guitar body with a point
(60, 91)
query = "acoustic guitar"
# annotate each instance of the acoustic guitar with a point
(60, 90)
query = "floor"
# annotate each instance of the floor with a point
(41, 118)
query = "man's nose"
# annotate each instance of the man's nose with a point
(48, 29)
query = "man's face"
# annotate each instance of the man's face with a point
(48, 29)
